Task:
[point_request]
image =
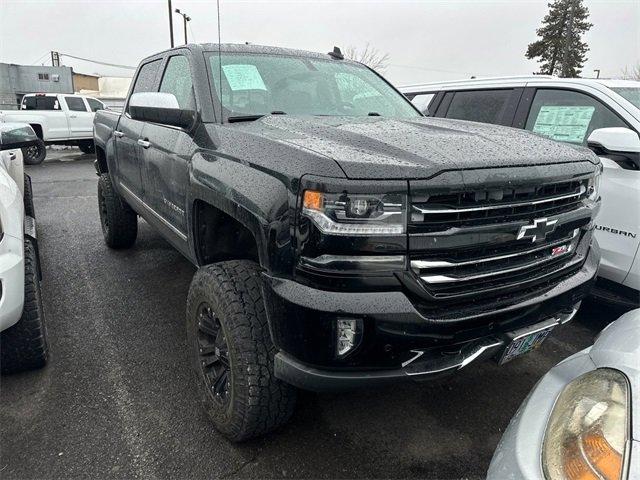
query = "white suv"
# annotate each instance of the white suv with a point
(601, 114)
(23, 336)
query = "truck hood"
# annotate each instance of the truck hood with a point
(383, 148)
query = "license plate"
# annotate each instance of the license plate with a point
(524, 343)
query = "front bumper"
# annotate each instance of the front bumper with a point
(399, 341)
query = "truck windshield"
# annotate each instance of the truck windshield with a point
(257, 84)
(631, 94)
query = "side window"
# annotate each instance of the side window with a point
(95, 105)
(485, 106)
(146, 79)
(422, 101)
(568, 116)
(75, 104)
(177, 80)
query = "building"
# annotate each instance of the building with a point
(17, 80)
(112, 91)
(82, 81)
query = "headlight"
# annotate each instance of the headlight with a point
(355, 214)
(588, 431)
(593, 186)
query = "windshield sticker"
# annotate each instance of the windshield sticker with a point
(565, 124)
(243, 77)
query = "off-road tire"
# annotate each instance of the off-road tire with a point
(28, 197)
(87, 146)
(24, 346)
(119, 222)
(34, 154)
(258, 402)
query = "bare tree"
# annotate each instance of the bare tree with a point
(370, 56)
(632, 73)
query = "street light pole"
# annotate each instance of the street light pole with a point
(185, 18)
(171, 23)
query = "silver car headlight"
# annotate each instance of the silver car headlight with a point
(593, 185)
(356, 214)
(587, 436)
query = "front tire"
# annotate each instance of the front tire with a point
(34, 154)
(119, 222)
(232, 353)
(24, 345)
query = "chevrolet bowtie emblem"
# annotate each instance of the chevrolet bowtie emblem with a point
(538, 231)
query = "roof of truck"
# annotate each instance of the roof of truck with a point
(258, 49)
(516, 80)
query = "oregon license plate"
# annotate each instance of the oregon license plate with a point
(524, 343)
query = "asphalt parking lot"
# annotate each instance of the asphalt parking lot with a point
(117, 398)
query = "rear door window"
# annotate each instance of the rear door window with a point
(569, 116)
(75, 104)
(487, 106)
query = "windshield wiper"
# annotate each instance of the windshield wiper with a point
(251, 118)
(243, 118)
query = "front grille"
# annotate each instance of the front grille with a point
(481, 207)
(466, 246)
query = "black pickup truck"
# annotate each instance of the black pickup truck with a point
(342, 238)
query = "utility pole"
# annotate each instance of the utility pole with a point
(171, 23)
(185, 18)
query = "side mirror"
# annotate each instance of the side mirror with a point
(615, 139)
(160, 107)
(618, 144)
(16, 135)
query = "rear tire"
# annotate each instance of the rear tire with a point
(87, 146)
(232, 353)
(34, 154)
(24, 345)
(119, 222)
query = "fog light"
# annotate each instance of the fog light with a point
(348, 334)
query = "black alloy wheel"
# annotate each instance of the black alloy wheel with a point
(214, 355)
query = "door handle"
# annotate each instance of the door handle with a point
(144, 143)
(12, 156)
(73, 116)
(118, 133)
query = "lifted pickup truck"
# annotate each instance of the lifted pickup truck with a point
(342, 239)
(57, 119)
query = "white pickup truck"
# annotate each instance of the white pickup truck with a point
(57, 119)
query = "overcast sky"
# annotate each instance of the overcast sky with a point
(427, 40)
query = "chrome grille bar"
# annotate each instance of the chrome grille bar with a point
(500, 205)
(418, 265)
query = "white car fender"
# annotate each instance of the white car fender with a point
(11, 251)
(618, 223)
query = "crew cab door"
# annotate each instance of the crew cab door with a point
(129, 132)
(166, 150)
(80, 118)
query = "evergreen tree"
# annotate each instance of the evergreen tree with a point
(560, 48)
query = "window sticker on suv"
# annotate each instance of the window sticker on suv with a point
(565, 124)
